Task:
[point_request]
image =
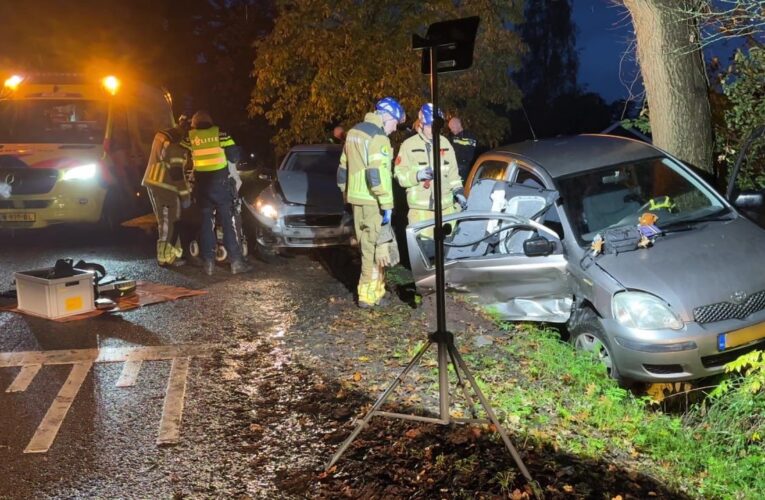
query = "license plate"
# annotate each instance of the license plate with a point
(741, 337)
(18, 217)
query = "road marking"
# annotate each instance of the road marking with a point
(172, 409)
(129, 373)
(82, 360)
(24, 378)
(48, 429)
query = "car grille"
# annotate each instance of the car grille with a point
(29, 180)
(312, 220)
(726, 357)
(663, 369)
(728, 310)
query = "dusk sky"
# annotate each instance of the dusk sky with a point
(606, 57)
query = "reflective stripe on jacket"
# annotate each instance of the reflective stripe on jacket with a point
(364, 174)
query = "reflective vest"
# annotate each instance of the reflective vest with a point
(206, 149)
(364, 174)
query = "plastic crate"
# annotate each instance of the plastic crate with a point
(57, 297)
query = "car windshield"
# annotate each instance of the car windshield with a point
(52, 121)
(317, 162)
(618, 195)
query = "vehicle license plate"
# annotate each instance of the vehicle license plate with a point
(741, 337)
(18, 217)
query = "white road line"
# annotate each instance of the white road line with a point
(172, 410)
(24, 378)
(48, 429)
(129, 373)
(104, 355)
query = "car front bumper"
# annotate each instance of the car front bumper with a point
(690, 353)
(278, 234)
(67, 202)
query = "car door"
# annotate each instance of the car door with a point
(485, 259)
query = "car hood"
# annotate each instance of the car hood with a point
(314, 190)
(701, 266)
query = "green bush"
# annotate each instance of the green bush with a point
(744, 89)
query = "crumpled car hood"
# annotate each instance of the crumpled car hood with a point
(693, 268)
(310, 189)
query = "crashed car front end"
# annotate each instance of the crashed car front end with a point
(291, 225)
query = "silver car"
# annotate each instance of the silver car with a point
(647, 265)
(302, 207)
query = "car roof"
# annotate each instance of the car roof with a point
(562, 156)
(316, 147)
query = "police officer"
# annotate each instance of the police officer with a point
(169, 192)
(464, 146)
(364, 176)
(213, 190)
(414, 172)
(338, 135)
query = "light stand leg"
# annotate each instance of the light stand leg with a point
(461, 383)
(492, 417)
(443, 380)
(380, 401)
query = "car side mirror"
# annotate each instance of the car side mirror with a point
(265, 174)
(537, 246)
(750, 199)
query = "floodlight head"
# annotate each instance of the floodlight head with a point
(455, 40)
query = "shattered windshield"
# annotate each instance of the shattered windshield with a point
(52, 121)
(617, 195)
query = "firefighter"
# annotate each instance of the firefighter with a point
(169, 192)
(214, 190)
(414, 172)
(364, 176)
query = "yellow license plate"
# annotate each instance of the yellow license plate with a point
(18, 217)
(743, 336)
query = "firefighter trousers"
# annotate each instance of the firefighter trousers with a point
(167, 210)
(367, 222)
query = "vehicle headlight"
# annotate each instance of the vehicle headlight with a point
(644, 311)
(79, 173)
(266, 209)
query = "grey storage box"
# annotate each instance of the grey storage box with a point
(57, 297)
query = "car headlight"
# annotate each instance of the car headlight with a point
(266, 209)
(79, 173)
(644, 311)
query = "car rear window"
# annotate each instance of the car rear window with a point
(318, 162)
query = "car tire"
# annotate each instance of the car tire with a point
(587, 334)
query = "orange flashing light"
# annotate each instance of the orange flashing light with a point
(111, 84)
(14, 81)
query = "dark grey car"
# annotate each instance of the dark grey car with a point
(678, 306)
(302, 207)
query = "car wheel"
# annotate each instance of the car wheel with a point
(588, 335)
(220, 253)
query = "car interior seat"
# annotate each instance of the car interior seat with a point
(608, 207)
(515, 199)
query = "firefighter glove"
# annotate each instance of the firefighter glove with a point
(459, 197)
(425, 174)
(386, 215)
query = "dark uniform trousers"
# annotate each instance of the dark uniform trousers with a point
(215, 194)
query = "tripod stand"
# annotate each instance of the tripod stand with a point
(448, 47)
(447, 352)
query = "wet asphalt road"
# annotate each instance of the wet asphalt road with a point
(106, 445)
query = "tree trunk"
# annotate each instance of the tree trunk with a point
(675, 80)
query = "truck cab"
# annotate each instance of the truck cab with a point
(73, 149)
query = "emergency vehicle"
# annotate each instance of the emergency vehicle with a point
(73, 149)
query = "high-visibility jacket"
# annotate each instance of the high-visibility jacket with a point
(415, 154)
(206, 145)
(364, 174)
(167, 162)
